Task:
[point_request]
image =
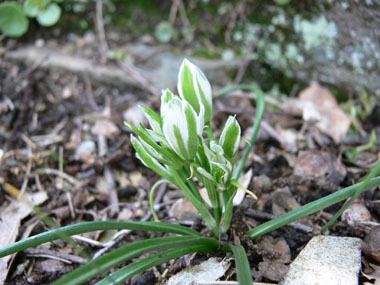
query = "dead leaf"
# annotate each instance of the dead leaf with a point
(318, 104)
(319, 164)
(183, 209)
(276, 256)
(11, 217)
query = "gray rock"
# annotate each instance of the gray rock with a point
(326, 260)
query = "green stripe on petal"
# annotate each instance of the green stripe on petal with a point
(180, 127)
(192, 127)
(194, 87)
(179, 145)
(230, 137)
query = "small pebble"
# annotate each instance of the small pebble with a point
(85, 151)
(356, 212)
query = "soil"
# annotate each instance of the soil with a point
(51, 119)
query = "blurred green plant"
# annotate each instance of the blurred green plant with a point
(353, 152)
(14, 20)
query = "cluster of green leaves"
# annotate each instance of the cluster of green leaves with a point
(177, 148)
(14, 17)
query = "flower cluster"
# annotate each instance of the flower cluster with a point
(176, 148)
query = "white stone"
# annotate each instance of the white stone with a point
(326, 260)
(210, 270)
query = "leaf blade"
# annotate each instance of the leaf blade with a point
(91, 227)
(243, 269)
(125, 253)
(148, 262)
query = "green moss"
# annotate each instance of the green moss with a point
(318, 33)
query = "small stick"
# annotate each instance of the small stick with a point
(173, 11)
(64, 257)
(52, 171)
(274, 134)
(100, 27)
(113, 199)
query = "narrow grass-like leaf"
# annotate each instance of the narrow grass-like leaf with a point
(311, 208)
(153, 118)
(149, 136)
(260, 107)
(151, 197)
(156, 259)
(127, 252)
(375, 171)
(91, 227)
(149, 161)
(243, 269)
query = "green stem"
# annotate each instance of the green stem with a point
(260, 107)
(311, 208)
(185, 176)
(213, 196)
(232, 88)
(256, 127)
(151, 197)
(199, 204)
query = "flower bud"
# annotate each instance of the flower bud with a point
(166, 97)
(194, 87)
(181, 126)
(230, 137)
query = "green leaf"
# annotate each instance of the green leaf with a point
(375, 171)
(13, 20)
(34, 7)
(311, 208)
(243, 269)
(164, 32)
(170, 157)
(127, 252)
(198, 202)
(156, 259)
(81, 228)
(153, 118)
(149, 161)
(50, 15)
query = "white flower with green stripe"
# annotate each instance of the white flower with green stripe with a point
(194, 87)
(230, 137)
(181, 125)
